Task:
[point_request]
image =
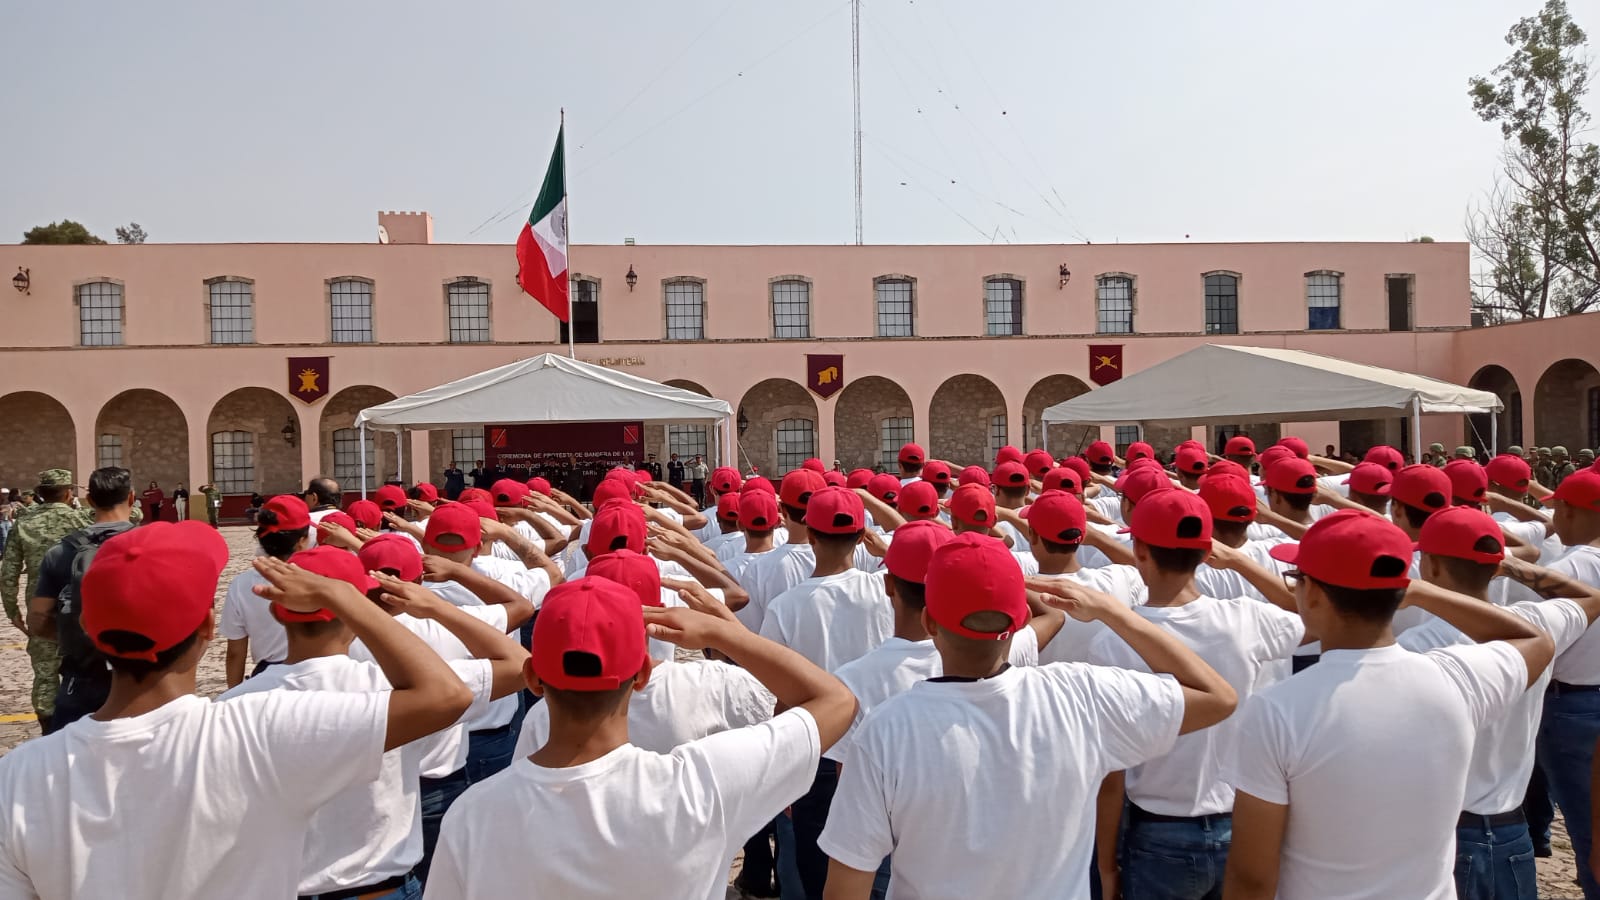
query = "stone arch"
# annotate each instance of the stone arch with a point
(760, 410)
(253, 419)
(1065, 440)
(340, 414)
(1478, 427)
(655, 433)
(858, 418)
(1562, 414)
(40, 435)
(149, 436)
(960, 417)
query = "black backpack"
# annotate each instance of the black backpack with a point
(79, 655)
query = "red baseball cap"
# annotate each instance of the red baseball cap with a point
(1228, 467)
(539, 485)
(1352, 549)
(834, 510)
(912, 548)
(1172, 518)
(1385, 456)
(617, 525)
(1008, 453)
(1297, 445)
(1580, 489)
(918, 500)
(1192, 460)
(1136, 484)
(1010, 475)
(1037, 462)
(1191, 442)
(457, 520)
(1062, 479)
(290, 511)
(642, 476)
(1273, 454)
(1239, 445)
(834, 479)
(975, 573)
(936, 472)
(798, 486)
(1229, 497)
(366, 513)
(1099, 453)
(728, 507)
(973, 504)
(392, 553)
(1509, 472)
(1370, 478)
(482, 508)
(329, 562)
(1290, 476)
(885, 487)
(158, 582)
(814, 465)
(726, 479)
(1468, 482)
(589, 636)
(758, 511)
(1139, 450)
(1056, 516)
(471, 494)
(912, 454)
(758, 484)
(390, 497)
(858, 478)
(634, 571)
(1421, 487)
(973, 475)
(610, 489)
(337, 518)
(427, 492)
(509, 493)
(1464, 533)
(1081, 466)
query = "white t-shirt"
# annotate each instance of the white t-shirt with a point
(942, 776)
(247, 615)
(1335, 483)
(531, 584)
(1580, 663)
(192, 799)
(632, 823)
(1369, 749)
(682, 702)
(1230, 583)
(1502, 756)
(1236, 637)
(831, 619)
(769, 575)
(1071, 644)
(373, 830)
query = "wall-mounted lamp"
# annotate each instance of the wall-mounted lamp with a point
(632, 278)
(1066, 276)
(289, 432)
(743, 421)
(21, 281)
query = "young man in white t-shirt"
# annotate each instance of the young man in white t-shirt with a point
(1057, 529)
(911, 459)
(283, 527)
(1177, 809)
(219, 794)
(1350, 775)
(789, 563)
(615, 820)
(939, 776)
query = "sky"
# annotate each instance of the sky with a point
(730, 121)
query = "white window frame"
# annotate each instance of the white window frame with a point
(790, 287)
(894, 432)
(1014, 305)
(227, 473)
(100, 312)
(1107, 288)
(466, 446)
(234, 299)
(787, 454)
(683, 309)
(108, 451)
(1317, 296)
(461, 306)
(901, 291)
(346, 444)
(688, 441)
(999, 434)
(348, 321)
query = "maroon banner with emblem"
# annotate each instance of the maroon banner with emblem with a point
(825, 373)
(587, 445)
(308, 378)
(1105, 363)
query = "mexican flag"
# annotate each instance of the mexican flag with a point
(542, 245)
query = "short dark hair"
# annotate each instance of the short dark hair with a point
(1301, 502)
(1058, 547)
(1225, 530)
(914, 594)
(836, 541)
(140, 669)
(278, 544)
(588, 706)
(109, 486)
(1011, 493)
(795, 514)
(1176, 560)
(309, 629)
(52, 493)
(1415, 517)
(1472, 577)
(1374, 605)
(1100, 468)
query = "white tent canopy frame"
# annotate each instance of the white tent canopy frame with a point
(545, 389)
(1240, 385)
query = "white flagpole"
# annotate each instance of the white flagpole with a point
(572, 339)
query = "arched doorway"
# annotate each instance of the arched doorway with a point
(967, 421)
(253, 442)
(1566, 409)
(687, 441)
(1065, 440)
(871, 420)
(777, 425)
(144, 432)
(40, 436)
(1480, 427)
(340, 441)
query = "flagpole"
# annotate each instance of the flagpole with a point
(572, 339)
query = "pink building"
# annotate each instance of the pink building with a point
(172, 359)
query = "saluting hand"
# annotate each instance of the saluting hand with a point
(1082, 603)
(296, 589)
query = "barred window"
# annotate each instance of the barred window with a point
(1114, 300)
(791, 309)
(108, 451)
(1322, 301)
(466, 446)
(1002, 306)
(585, 312)
(233, 462)
(686, 311)
(350, 302)
(893, 434)
(997, 435)
(347, 457)
(895, 296)
(468, 300)
(797, 442)
(232, 305)
(688, 441)
(100, 314)
(1222, 304)
(1125, 435)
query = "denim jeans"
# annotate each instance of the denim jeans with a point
(1495, 863)
(789, 885)
(437, 796)
(810, 814)
(489, 751)
(1175, 860)
(1567, 733)
(1535, 805)
(411, 890)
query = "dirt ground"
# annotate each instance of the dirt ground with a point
(1556, 875)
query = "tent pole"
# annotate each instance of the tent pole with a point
(1416, 428)
(361, 440)
(1494, 433)
(400, 457)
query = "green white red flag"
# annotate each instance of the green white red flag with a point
(542, 245)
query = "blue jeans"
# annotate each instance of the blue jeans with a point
(490, 751)
(1567, 733)
(1495, 863)
(411, 890)
(1175, 860)
(437, 796)
(810, 814)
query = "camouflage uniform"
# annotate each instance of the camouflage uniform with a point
(36, 530)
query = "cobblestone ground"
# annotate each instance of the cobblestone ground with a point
(1556, 875)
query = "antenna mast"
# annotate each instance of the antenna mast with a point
(855, 83)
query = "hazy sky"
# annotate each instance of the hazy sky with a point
(728, 121)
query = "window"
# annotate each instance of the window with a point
(233, 462)
(232, 306)
(688, 441)
(468, 300)
(1002, 306)
(466, 446)
(350, 301)
(1594, 417)
(1322, 301)
(1399, 287)
(686, 311)
(108, 451)
(997, 435)
(1114, 304)
(100, 314)
(1222, 304)
(347, 458)
(893, 434)
(797, 442)
(791, 309)
(585, 312)
(1125, 435)
(1515, 411)
(894, 307)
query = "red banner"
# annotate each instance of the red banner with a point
(825, 373)
(586, 445)
(1105, 363)
(308, 378)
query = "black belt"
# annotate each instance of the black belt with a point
(1561, 687)
(1473, 820)
(491, 732)
(387, 884)
(1136, 813)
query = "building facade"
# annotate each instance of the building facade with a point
(173, 359)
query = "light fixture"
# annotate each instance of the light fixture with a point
(288, 432)
(21, 281)
(744, 422)
(632, 278)
(1066, 276)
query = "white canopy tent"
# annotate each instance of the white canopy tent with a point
(1229, 384)
(546, 389)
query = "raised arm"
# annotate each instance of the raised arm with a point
(519, 609)
(1330, 465)
(527, 551)
(1485, 622)
(887, 517)
(483, 641)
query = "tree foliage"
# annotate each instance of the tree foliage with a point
(1537, 231)
(65, 231)
(132, 233)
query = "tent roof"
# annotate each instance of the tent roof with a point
(1258, 384)
(545, 388)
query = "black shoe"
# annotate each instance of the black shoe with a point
(1542, 851)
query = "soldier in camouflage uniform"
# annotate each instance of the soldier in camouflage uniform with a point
(38, 529)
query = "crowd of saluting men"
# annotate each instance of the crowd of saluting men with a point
(1242, 676)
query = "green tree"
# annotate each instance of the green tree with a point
(132, 233)
(1538, 230)
(65, 231)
